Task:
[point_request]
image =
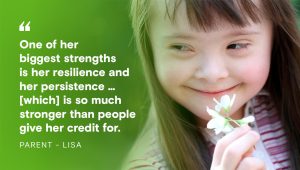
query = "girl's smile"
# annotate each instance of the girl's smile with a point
(213, 93)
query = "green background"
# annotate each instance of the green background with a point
(100, 26)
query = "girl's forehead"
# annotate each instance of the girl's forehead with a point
(207, 15)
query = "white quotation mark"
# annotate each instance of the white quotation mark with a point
(24, 28)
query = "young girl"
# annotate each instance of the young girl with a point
(197, 50)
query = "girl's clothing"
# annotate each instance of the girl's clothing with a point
(272, 147)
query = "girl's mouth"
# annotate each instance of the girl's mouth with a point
(217, 92)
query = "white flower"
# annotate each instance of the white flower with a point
(218, 123)
(224, 103)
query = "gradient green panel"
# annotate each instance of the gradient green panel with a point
(100, 26)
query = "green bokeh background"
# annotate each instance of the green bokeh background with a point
(100, 27)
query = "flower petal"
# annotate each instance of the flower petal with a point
(232, 100)
(211, 124)
(246, 120)
(249, 119)
(217, 123)
(225, 101)
(212, 112)
(220, 122)
(218, 108)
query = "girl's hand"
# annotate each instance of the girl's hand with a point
(232, 151)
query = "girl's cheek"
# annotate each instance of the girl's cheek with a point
(176, 74)
(255, 71)
(166, 72)
(176, 70)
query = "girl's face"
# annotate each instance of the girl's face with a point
(195, 66)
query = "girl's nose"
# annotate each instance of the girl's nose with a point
(212, 69)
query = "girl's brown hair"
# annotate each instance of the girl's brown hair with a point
(183, 145)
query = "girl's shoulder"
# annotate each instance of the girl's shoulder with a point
(146, 154)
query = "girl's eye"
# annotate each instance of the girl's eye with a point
(181, 48)
(238, 46)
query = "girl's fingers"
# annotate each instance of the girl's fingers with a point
(225, 141)
(249, 152)
(235, 152)
(251, 163)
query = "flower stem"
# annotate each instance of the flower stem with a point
(234, 121)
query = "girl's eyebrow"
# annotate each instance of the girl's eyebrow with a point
(180, 36)
(242, 32)
(232, 33)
